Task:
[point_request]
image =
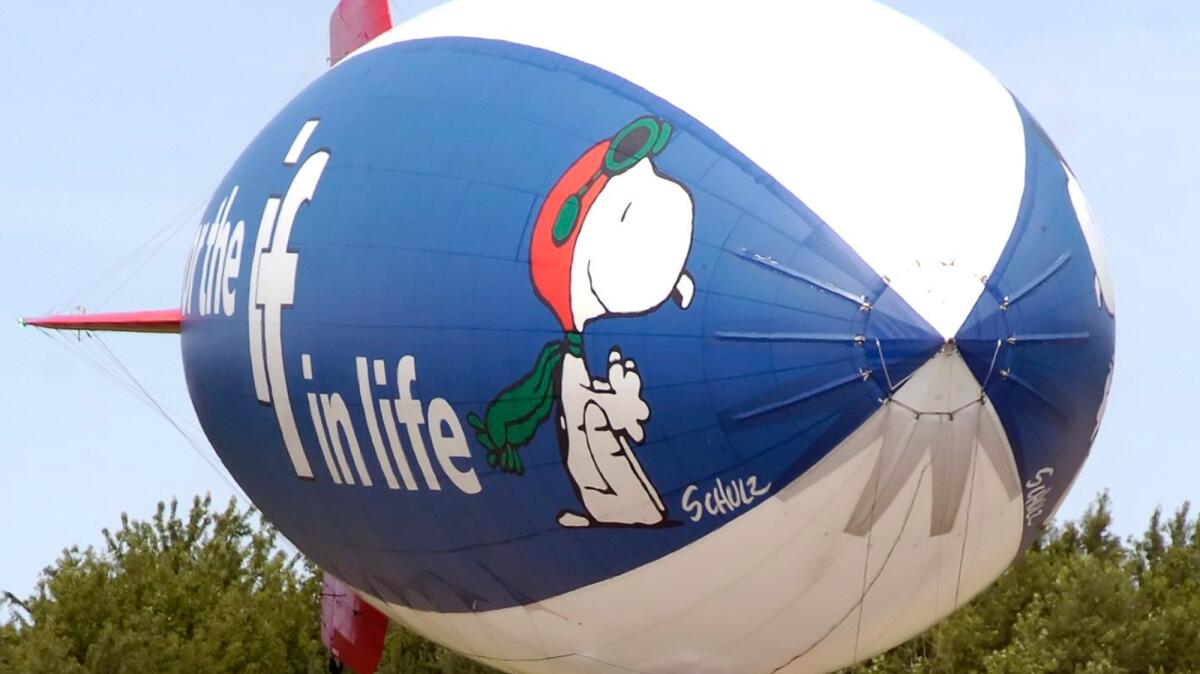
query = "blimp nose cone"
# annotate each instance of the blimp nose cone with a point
(877, 337)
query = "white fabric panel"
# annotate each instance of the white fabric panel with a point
(1091, 233)
(907, 147)
(781, 586)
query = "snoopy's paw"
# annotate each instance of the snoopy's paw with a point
(573, 520)
(626, 410)
(507, 459)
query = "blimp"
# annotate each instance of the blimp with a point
(646, 336)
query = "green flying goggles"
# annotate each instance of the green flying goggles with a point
(641, 138)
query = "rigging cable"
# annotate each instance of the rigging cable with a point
(91, 349)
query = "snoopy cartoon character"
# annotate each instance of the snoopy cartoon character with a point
(611, 239)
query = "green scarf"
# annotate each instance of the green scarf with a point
(513, 416)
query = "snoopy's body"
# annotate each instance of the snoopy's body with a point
(611, 240)
(628, 260)
(600, 421)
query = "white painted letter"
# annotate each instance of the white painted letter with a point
(232, 267)
(451, 446)
(364, 392)
(408, 411)
(337, 417)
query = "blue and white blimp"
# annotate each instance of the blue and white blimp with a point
(650, 336)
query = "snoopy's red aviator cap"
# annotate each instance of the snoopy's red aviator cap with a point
(566, 207)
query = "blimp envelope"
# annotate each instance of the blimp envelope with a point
(653, 337)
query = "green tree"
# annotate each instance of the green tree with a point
(210, 591)
(205, 591)
(201, 591)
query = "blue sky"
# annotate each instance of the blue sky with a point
(119, 118)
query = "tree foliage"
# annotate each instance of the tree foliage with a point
(199, 591)
(210, 591)
(202, 591)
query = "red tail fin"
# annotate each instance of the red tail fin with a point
(351, 629)
(163, 320)
(355, 23)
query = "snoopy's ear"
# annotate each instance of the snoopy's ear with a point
(685, 289)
